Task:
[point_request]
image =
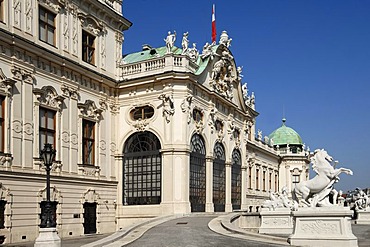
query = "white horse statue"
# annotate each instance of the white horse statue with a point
(315, 192)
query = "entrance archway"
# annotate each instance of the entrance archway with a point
(142, 167)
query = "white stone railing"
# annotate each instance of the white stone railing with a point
(169, 62)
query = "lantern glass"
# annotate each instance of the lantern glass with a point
(48, 154)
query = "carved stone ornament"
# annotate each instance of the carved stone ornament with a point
(320, 227)
(92, 24)
(4, 192)
(231, 124)
(186, 107)
(90, 196)
(168, 106)
(48, 96)
(224, 39)
(212, 118)
(5, 83)
(222, 76)
(56, 5)
(89, 110)
(141, 125)
(23, 75)
(70, 91)
(55, 194)
(199, 127)
(113, 147)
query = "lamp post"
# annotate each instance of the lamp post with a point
(48, 235)
(48, 208)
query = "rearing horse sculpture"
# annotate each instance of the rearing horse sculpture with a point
(315, 192)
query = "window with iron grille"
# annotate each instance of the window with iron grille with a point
(236, 180)
(47, 26)
(219, 178)
(2, 124)
(197, 183)
(47, 127)
(88, 138)
(264, 181)
(88, 47)
(142, 168)
(2, 214)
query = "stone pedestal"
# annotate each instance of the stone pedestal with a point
(326, 226)
(278, 221)
(363, 217)
(48, 237)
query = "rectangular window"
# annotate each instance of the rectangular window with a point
(264, 181)
(46, 26)
(47, 127)
(2, 214)
(250, 178)
(257, 180)
(276, 182)
(270, 181)
(88, 136)
(2, 124)
(2, 17)
(296, 179)
(88, 47)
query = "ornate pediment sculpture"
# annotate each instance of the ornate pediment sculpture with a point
(48, 96)
(222, 76)
(89, 110)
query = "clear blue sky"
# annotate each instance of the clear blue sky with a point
(310, 58)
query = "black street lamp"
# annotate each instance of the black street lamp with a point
(48, 208)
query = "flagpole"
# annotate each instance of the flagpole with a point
(214, 34)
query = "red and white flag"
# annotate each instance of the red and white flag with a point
(213, 24)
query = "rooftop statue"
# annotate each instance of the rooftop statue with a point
(315, 192)
(170, 40)
(224, 39)
(185, 43)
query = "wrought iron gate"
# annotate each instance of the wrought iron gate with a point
(219, 178)
(236, 180)
(197, 183)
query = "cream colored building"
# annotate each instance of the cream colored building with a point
(165, 130)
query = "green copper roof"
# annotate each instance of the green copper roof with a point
(285, 135)
(149, 54)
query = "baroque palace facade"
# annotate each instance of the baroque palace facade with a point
(165, 130)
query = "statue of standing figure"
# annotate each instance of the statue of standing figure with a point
(170, 40)
(185, 43)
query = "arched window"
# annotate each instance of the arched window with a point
(236, 180)
(142, 166)
(219, 178)
(197, 183)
